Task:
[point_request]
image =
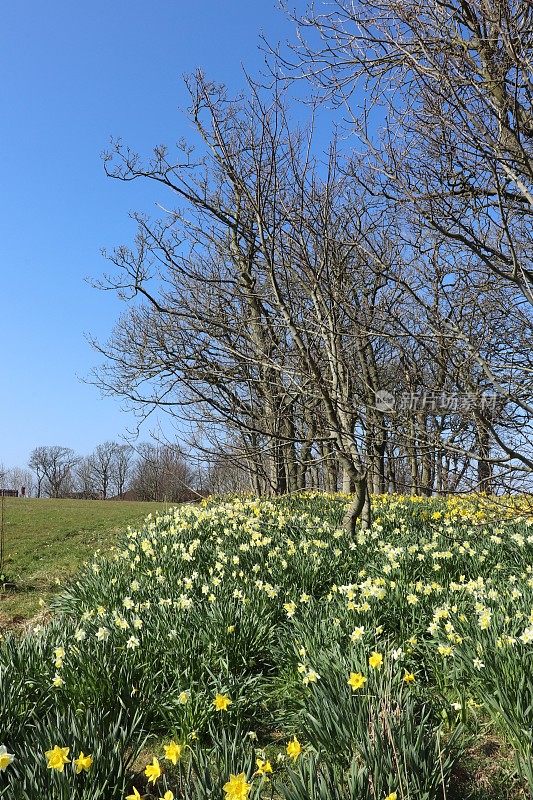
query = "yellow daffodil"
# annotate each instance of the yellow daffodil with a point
(57, 758)
(290, 608)
(376, 660)
(408, 677)
(237, 787)
(263, 767)
(153, 771)
(173, 752)
(221, 702)
(134, 796)
(294, 748)
(83, 763)
(168, 795)
(356, 681)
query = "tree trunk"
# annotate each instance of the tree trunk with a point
(330, 467)
(484, 467)
(347, 482)
(366, 511)
(303, 464)
(411, 449)
(291, 468)
(378, 475)
(279, 478)
(426, 459)
(359, 507)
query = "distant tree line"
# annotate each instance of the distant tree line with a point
(112, 471)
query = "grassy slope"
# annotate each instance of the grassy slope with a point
(47, 540)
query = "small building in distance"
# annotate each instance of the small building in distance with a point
(10, 493)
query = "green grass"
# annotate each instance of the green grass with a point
(47, 540)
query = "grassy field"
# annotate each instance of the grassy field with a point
(46, 541)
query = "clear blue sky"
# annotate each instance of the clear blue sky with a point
(73, 74)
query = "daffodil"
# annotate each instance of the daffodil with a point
(445, 650)
(153, 771)
(263, 767)
(357, 634)
(83, 763)
(134, 796)
(376, 660)
(294, 748)
(237, 787)
(356, 681)
(221, 702)
(311, 677)
(290, 608)
(57, 758)
(173, 752)
(5, 757)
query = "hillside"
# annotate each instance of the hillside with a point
(251, 650)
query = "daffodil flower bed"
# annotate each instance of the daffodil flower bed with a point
(252, 649)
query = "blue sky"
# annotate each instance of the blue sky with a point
(73, 74)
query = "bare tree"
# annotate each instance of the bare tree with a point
(106, 469)
(121, 468)
(280, 295)
(18, 478)
(162, 473)
(453, 80)
(450, 144)
(37, 463)
(53, 466)
(256, 204)
(102, 464)
(84, 479)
